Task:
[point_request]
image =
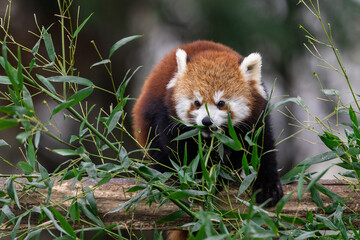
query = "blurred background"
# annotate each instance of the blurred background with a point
(268, 27)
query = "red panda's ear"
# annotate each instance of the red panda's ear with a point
(251, 67)
(181, 60)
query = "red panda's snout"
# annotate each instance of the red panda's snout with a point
(214, 115)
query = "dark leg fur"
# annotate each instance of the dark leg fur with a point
(268, 181)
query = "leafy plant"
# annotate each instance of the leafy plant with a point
(213, 215)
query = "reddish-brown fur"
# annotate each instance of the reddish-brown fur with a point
(211, 68)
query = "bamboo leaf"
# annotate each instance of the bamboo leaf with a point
(25, 166)
(50, 215)
(280, 205)
(81, 26)
(171, 217)
(49, 45)
(181, 194)
(7, 123)
(246, 183)
(47, 84)
(73, 100)
(227, 141)
(3, 143)
(11, 190)
(63, 222)
(188, 134)
(5, 80)
(66, 152)
(121, 43)
(71, 79)
(114, 118)
(105, 61)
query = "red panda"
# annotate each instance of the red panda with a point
(200, 83)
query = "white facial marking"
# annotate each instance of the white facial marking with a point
(182, 107)
(240, 110)
(198, 96)
(251, 68)
(181, 67)
(217, 96)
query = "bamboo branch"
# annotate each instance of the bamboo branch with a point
(109, 196)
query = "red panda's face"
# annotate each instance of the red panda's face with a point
(211, 85)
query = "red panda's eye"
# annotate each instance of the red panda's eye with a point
(197, 104)
(220, 104)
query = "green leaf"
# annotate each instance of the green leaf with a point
(90, 215)
(33, 233)
(5, 80)
(280, 205)
(188, 134)
(71, 79)
(90, 169)
(3, 143)
(50, 215)
(81, 26)
(121, 89)
(63, 222)
(130, 202)
(73, 100)
(74, 212)
(232, 131)
(14, 110)
(11, 190)
(121, 43)
(20, 77)
(43, 172)
(8, 213)
(296, 100)
(28, 100)
(181, 194)
(246, 183)
(31, 154)
(10, 70)
(338, 221)
(7, 123)
(323, 157)
(37, 139)
(31, 64)
(333, 196)
(35, 49)
(314, 180)
(300, 189)
(316, 197)
(227, 141)
(49, 45)
(245, 164)
(90, 197)
(330, 92)
(326, 222)
(25, 166)
(171, 217)
(105, 61)
(66, 152)
(47, 84)
(114, 118)
(353, 117)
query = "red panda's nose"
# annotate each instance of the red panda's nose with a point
(206, 121)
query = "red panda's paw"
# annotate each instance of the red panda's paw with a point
(268, 190)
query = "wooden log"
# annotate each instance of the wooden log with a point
(112, 194)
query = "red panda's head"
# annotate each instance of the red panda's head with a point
(207, 85)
